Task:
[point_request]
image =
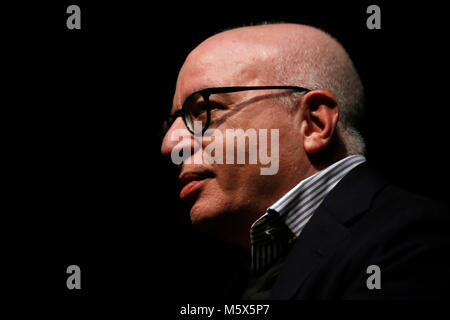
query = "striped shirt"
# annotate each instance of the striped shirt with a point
(273, 233)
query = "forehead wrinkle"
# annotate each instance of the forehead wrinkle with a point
(224, 63)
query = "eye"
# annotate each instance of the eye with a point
(195, 105)
(197, 109)
(217, 106)
(214, 105)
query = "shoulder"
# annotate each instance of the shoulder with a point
(394, 197)
(365, 199)
(397, 217)
(408, 237)
(395, 206)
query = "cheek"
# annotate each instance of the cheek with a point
(214, 200)
(239, 180)
(237, 187)
(231, 189)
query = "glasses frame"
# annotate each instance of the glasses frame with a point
(205, 93)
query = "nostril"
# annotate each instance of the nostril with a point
(178, 144)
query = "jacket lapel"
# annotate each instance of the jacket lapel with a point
(326, 229)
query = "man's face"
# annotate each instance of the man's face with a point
(224, 196)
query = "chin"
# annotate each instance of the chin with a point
(208, 219)
(202, 213)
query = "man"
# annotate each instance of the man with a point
(321, 225)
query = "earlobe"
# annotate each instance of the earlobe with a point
(320, 117)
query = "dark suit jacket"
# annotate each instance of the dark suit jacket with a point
(364, 221)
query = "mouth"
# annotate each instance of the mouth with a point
(191, 182)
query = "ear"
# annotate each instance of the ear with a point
(320, 119)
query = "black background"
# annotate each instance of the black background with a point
(88, 185)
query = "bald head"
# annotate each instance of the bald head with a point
(226, 198)
(284, 54)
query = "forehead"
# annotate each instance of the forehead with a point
(222, 63)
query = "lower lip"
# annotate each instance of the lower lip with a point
(190, 188)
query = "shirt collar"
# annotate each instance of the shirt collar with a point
(302, 200)
(272, 234)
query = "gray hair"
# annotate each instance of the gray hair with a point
(320, 62)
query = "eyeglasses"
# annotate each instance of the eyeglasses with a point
(200, 104)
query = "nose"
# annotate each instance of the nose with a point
(177, 139)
